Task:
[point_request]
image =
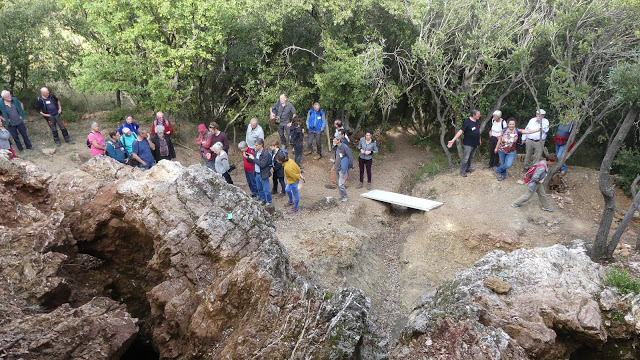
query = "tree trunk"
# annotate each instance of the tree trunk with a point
(622, 226)
(118, 98)
(601, 246)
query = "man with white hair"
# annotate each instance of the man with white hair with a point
(534, 142)
(497, 127)
(12, 113)
(48, 105)
(163, 146)
(160, 120)
(254, 131)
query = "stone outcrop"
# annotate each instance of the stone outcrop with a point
(191, 280)
(543, 303)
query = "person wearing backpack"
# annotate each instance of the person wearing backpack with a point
(95, 140)
(498, 124)
(115, 149)
(534, 179)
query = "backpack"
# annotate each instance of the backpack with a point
(529, 174)
(88, 142)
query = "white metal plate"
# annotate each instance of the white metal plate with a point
(402, 200)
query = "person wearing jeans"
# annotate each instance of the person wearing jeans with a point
(12, 112)
(262, 169)
(561, 139)
(292, 176)
(249, 170)
(506, 147)
(497, 127)
(316, 122)
(471, 130)
(368, 147)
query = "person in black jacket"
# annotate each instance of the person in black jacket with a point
(49, 107)
(164, 147)
(297, 140)
(278, 169)
(262, 160)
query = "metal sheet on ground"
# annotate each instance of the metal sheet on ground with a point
(402, 200)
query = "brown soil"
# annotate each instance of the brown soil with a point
(395, 255)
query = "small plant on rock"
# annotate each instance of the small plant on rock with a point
(621, 279)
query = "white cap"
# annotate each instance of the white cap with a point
(541, 112)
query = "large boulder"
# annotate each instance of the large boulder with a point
(195, 261)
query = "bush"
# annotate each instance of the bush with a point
(626, 167)
(117, 115)
(621, 280)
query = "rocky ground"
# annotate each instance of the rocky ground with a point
(394, 255)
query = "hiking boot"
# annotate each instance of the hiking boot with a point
(368, 186)
(317, 157)
(470, 170)
(486, 167)
(301, 167)
(70, 141)
(498, 175)
(254, 195)
(516, 205)
(58, 143)
(463, 174)
(563, 173)
(308, 152)
(549, 209)
(292, 211)
(332, 187)
(345, 199)
(283, 194)
(263, 203)
(288, 204)
(359, 186)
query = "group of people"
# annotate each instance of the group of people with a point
(504, 138)
(130, 144)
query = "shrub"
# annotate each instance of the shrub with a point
(621, 280)
(626, 167)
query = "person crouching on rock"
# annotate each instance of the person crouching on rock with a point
(249, 170)
(262, 167)
(163, 146)
(142, 150)
(344, 162)
(534, 179)
(221, 165)
(292, 177)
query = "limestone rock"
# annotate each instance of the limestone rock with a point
(607, 300)
(160, 242)
(498, 286)
(49, 151)
(551, 289)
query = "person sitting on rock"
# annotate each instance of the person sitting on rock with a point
(143, 150)
(96, 140)
(130, 124)
(534, 179)
(249, 170)
(222, 162)
(114, 148)
(163, 146)
(278, 170)
(262, 165)
(292, 177)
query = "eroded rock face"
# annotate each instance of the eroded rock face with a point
(550, 309)
(161, 242)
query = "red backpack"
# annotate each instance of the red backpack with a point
(529, 174)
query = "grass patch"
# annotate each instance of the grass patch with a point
(388, 146)
(436, 165)
(621, 279)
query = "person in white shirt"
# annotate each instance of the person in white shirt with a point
(534, 142)
(497, 127)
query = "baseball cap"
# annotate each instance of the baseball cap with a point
(541, 112)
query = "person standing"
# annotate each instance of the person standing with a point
(534, 179)
(202, 133)
(497, 127)
(297, 140)
(292, 176)
(5, 144)
(506, 148)
(114, 148)
(471, 141)
(254, 131)
(13, 114)
(217, 136)
(48, 105)
(127, 139)
(249, 170)
(160, 120)
(281, 114)
(96, 140)
(344, 162)
(143, 150)
(130, 124)
(316, 122)
(163, 146)
(222, 162)
(561, 139)
(278, 170)
(534, 141)
(368, 147)
(262, 168)
(339, 131)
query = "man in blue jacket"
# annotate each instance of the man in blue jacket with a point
(316, 121)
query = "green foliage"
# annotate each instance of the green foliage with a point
(621, 280)
(118, 115)
(626, 167)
